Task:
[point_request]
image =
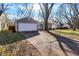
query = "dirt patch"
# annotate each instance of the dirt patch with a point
(21, 48)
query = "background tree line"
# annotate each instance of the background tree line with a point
(66, 11)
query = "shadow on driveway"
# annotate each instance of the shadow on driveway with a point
(30, 34)
(70, 43)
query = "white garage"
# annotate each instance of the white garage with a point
(26, 24)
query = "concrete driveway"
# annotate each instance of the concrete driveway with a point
(48, 45)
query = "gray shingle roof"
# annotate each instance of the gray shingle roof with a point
(26, 20)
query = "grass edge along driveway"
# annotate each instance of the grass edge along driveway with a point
(67, 33)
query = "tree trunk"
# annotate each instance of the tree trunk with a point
(1, 13)
(74, 27)
(45, 24)
(46, 17)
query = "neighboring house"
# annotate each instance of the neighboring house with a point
(26, 24)
(51, 25)
(41, 25)
(55, 25)
(3, 22)
(66, 26)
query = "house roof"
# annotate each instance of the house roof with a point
(26, 20)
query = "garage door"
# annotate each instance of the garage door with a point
(27, 27)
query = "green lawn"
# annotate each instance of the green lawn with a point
(67, 33)
(8, 37)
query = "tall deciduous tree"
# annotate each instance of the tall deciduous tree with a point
(46, 10)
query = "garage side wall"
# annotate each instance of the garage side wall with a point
(16, 27)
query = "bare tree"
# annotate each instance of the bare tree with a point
(70, 12)
(75, 19)
(63, 12)
(46, 10)
(27, 11)
(3, 7)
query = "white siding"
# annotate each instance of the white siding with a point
(27, 27)
(54, 26)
